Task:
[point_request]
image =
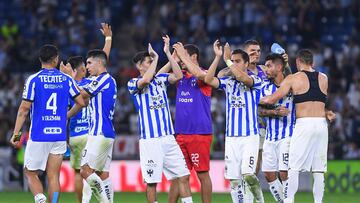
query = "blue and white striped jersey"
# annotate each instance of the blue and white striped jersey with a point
(241, 106)
(278, 128)
(103, 92)
(49, 91)
(152, 104)
(79, 124)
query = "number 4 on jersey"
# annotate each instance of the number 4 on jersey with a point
(51, 103)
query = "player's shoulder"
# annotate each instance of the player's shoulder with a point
(323, 75)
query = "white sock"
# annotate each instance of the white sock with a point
(291, 186)
(318, 187)
(237, 192)
(276, 190)
(187, 200)
(86, 193)
(109, 190)
(97, 187)
(248, 195)
(40, 198)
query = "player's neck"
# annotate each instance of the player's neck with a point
(48, 66)
(252, 68)
(306, 68)
(279, 78)
(78, 77)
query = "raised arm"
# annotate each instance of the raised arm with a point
(149, 74)
(283, 90)
(107, 32)
(227, 59)
(287, 68)
(167, 67)
(176, 75)
(193, 68)
(210, 78)
(241, 76)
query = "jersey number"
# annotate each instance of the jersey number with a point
(51, 103)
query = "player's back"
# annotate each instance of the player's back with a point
(49, 91)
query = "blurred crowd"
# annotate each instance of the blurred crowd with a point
(331, 28)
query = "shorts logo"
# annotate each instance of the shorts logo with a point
(195, 159)
(151, 164)
(150, 172)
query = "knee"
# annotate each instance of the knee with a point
(184, 179)
(30, 174)
(104, 175)
(283, 175)
(203, 176)
(270, 176)
(85, 171)
(151, 185)
(235, 183)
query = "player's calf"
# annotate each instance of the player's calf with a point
(184, 189)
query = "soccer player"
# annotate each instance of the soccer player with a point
(79, 124)
(96, 158)
(253, 49)
(193, 123)
(242, 133)
(159, 151)
(308, 145)
(78, 129)
(279, 128)
(46, 95)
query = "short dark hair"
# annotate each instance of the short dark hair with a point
(243, 54)
(140, 56)
(305, 56)
(276, 58)
(47, 53)
(192, 49)
(97, 53)
(250, 42)
(75, 61)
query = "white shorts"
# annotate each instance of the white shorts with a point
(36, 153)
(262, 133)
(98, 152)
(308, 145)
(77, 146)
(161, 154)
(241, 154)
(276, 155)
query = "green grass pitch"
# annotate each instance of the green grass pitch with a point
(301, 197)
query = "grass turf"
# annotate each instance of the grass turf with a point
(301, 197)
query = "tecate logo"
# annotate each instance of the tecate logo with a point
(54, 130)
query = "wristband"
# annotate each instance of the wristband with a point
(17, 136)
(108, 38)
(229, 62)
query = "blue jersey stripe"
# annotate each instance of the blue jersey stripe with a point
(247, 120)
(227, 114)
(254, 107)
(96, 117)
(142, 117)
(171, 131)
(149, 116)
